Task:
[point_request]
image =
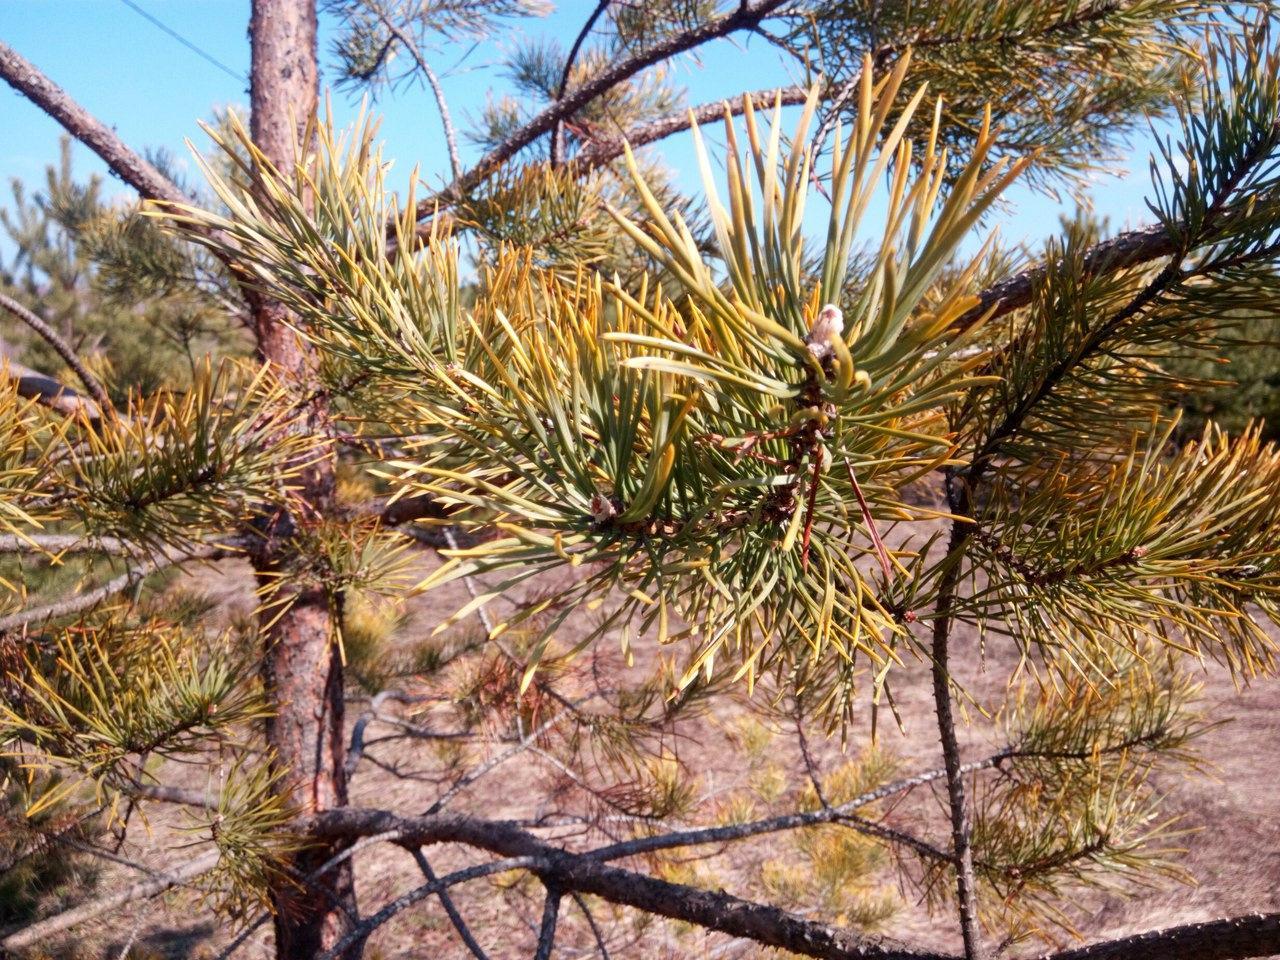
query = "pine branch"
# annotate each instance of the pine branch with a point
(600, 152)
(59, 345)
(24, 77)
(746, 16)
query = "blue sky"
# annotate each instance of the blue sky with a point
(153, 90)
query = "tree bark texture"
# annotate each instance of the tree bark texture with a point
(302, 669)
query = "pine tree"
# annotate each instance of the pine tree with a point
(684, 431)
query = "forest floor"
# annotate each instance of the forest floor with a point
(1231, 809)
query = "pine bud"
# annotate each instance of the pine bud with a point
(602, 508)
(827, 327)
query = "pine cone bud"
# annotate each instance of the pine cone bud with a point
(827, 327)
(602, 508)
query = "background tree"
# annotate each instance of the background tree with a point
(698, 440)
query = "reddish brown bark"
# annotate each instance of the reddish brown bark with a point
(302, 669)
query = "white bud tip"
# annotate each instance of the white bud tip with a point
(828, 325)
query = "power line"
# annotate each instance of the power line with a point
(183, 40)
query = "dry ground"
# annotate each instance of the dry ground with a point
(1235, 854)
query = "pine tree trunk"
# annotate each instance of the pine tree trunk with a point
(302, 669)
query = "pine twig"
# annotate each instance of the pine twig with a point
(450, 908)
(550, 918)
(60, 346)
(33, 616)
(961, 827)
(557, 136)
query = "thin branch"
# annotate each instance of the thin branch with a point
(493, 763)
(550, 917)
(174, 795)
(791, 821)
(126, 897)
(56, 543)
(405, 900)
(873, 829)
(557, 137)
(745, 16)
(356, 748)
(582, 905)
(34, 616)
(450, 908)
(446, 118)
(482, 614)
(60, 345)
(24, 77)
(600, 152)
(961, 827)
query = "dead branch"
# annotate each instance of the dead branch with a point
(128, 896)
(63, 349)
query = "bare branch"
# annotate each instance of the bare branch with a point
(175, 795)
(128, 896)
(602, 151)
(494, 762)
(873, 829)
(450, 908)
(557, 137)
(790, 821)
(60, 345)
(34, 616)
(417, 894)
(1231, 938)
(550, 917)
(48, 392)
(446, 118)
(961, 828)
(1128, 249)
(712, 910)
(24, 77)
(56, 543)
(581, 901)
